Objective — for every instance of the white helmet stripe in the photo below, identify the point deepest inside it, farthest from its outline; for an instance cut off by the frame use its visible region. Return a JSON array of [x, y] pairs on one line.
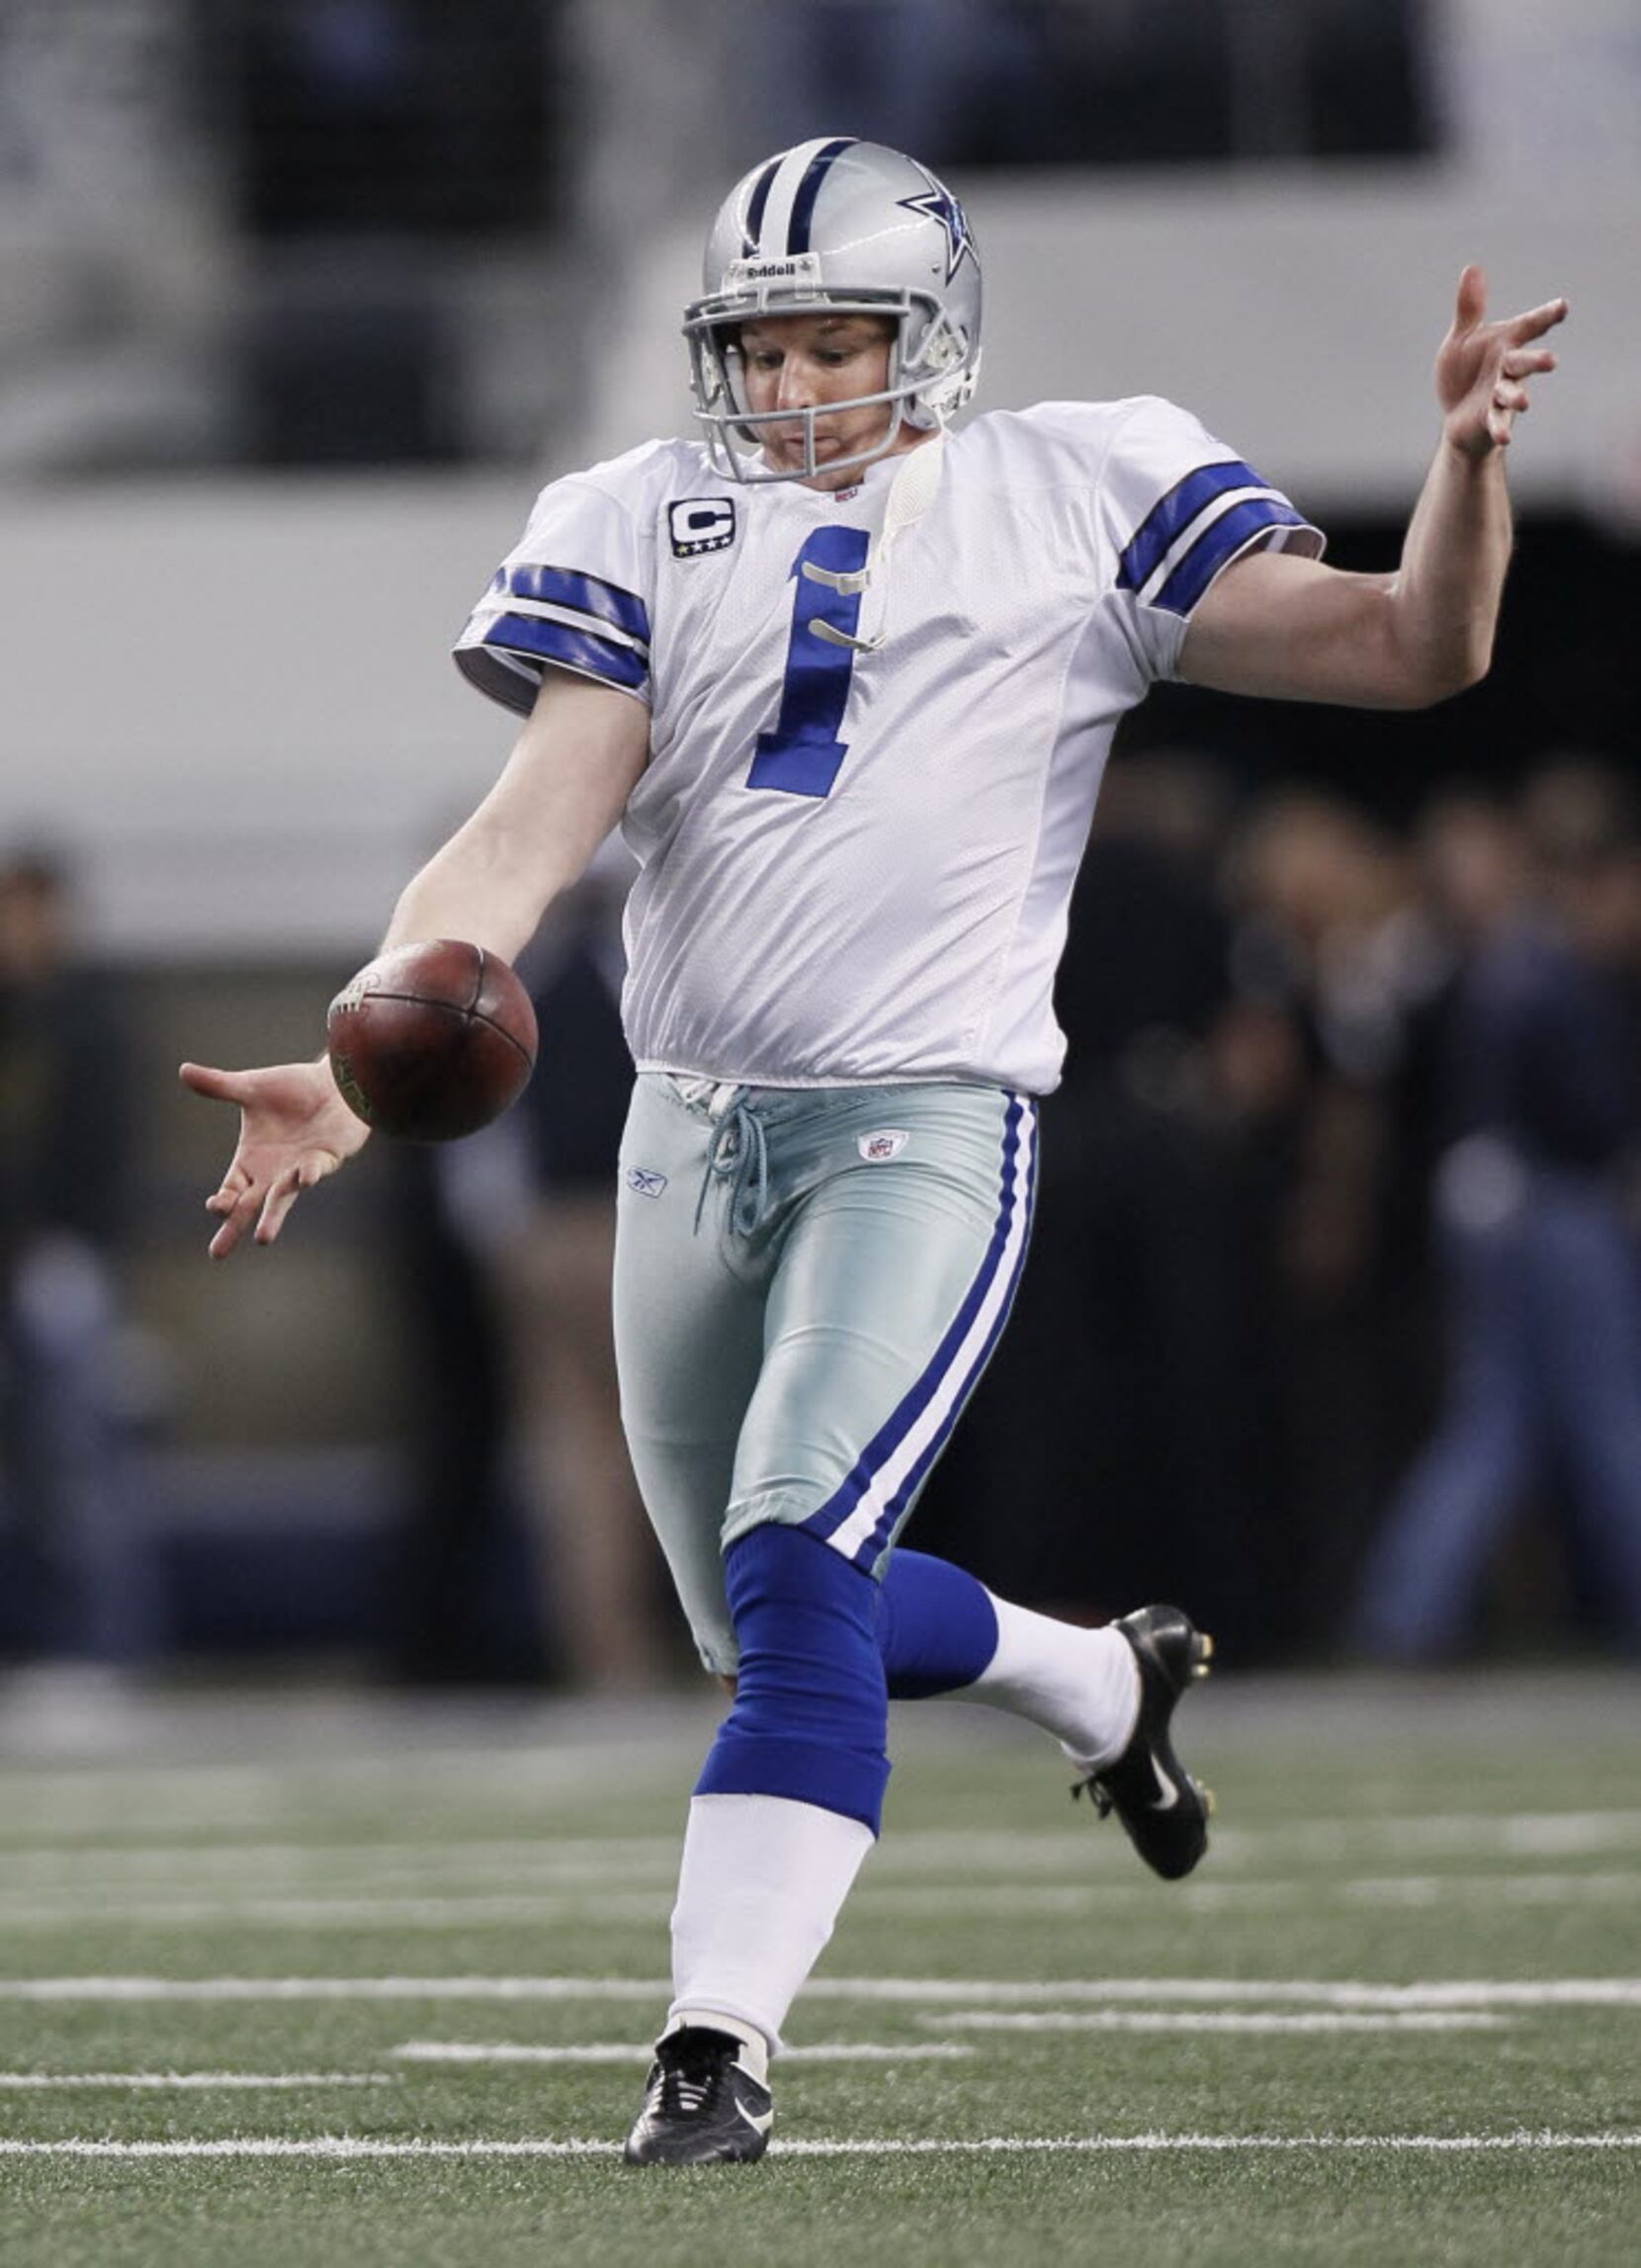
[[808, 189], [751, 217], [783, 195]]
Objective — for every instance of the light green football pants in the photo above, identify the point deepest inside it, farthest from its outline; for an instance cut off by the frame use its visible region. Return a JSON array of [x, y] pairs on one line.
[[808, 1286]]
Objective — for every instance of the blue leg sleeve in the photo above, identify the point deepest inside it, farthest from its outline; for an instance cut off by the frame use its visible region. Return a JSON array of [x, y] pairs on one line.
[[811, 1716], [937, 1628]]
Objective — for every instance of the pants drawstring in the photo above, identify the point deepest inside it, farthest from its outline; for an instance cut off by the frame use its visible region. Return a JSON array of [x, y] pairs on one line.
[[739, 1155]]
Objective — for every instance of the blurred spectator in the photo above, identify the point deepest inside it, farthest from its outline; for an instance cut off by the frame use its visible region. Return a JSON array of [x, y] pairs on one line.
[[66, 1485], [1328, 935], [1125, 1402], [1544, 1299], [372, 138], [552, 1270], [1047, 82], [969, 84], [524, 1250], [448, 1612], [392, 117]]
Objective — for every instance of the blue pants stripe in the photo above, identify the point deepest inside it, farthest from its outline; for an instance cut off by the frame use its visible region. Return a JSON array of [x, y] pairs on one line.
[[841, 1520]]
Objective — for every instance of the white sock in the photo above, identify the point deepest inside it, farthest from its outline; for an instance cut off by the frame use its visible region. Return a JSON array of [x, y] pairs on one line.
[[755, 2048], [763, 1882], [1082, 1685]]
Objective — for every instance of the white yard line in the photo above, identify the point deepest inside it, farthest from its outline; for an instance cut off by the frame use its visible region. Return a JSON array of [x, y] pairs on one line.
[[933, 1991], [1459, 1834], [547, 1861], [1557, 1992], [353, 2147], [641, 1908], [1468, 1834], [618, 2051], [479, 1909], [1024, 1900], [1215, 2019], [1603, 1886], [1529, 1834], [203, 2080], [138, 1906], [83, 1989], [549, 1857], [512, 1767], [96, 1800]]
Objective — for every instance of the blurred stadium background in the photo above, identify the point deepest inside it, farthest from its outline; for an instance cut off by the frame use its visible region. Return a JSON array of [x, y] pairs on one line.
[[302, 301]]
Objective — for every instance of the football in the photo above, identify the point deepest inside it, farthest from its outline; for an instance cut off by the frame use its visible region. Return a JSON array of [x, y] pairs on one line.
[[431, 1041]]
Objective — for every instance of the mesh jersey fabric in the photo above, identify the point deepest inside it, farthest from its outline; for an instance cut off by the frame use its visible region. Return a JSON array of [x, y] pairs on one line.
[[855, 867]]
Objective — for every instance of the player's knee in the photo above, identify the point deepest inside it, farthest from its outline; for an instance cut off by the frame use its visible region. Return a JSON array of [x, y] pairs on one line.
[[806, 1624], [810, 1720]]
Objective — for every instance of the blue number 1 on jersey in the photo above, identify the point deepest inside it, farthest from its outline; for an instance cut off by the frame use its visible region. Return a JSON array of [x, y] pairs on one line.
[[803, 754]]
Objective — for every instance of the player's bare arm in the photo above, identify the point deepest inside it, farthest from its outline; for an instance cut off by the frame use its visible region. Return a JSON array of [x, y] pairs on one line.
[[1284, 627], [564, 786]]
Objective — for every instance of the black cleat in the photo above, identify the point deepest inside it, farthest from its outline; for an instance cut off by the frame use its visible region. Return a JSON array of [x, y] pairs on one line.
[[1165, 1810], [701, 2105]]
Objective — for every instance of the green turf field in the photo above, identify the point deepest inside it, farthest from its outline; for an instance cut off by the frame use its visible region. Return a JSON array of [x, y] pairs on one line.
[[284, 1998]]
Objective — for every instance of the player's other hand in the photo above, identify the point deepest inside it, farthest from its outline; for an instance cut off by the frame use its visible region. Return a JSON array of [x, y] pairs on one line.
[[293, 1130], [1481, 369]]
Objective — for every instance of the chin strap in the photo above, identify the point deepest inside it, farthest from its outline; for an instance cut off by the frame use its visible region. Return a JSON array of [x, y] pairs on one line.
[[912, 491]]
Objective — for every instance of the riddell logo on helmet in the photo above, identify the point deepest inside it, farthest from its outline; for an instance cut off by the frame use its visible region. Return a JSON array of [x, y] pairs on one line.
[[801, 268]]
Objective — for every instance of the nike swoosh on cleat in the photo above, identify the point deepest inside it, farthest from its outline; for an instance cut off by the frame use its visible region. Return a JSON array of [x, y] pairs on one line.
[[1169, 1795], [760, 2124]]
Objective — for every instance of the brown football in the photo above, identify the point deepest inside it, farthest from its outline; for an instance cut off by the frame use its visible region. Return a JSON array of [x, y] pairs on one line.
[[430, 1042]]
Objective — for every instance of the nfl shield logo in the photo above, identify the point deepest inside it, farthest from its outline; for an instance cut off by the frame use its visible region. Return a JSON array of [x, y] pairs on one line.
[[876, 1148]]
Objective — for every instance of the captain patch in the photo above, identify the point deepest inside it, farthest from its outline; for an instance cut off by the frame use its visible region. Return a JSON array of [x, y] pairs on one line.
[[701, 524]]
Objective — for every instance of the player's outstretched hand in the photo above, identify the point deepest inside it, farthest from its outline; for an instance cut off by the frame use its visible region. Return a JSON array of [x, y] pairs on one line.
[[1481, 369], [293, 1130]]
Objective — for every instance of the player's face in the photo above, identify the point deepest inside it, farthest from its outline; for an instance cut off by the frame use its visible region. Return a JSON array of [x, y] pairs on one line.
[[804, 362]]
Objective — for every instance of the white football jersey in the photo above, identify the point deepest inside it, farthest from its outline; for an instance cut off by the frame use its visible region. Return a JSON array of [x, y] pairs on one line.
[[856, 858]]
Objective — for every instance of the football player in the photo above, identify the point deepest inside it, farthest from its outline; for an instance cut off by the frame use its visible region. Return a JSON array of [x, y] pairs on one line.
[[846, 678]]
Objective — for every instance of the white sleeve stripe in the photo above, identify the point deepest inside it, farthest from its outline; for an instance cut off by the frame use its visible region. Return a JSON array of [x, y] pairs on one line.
[[595, 625], [1215, 509]]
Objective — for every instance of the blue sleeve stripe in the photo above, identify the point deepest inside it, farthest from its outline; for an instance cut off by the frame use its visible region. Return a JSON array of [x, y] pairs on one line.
[[1219, 542], [575, 649], [588, 593], [1172, 514]]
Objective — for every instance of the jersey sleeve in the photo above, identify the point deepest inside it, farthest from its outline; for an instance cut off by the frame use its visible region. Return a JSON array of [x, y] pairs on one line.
[[574, 593], [1177, 507]]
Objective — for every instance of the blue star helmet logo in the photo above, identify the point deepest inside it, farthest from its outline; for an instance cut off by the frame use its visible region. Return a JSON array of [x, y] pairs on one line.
[[940, 205]]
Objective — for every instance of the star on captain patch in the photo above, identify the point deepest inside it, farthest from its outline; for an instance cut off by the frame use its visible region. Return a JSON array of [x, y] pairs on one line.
[[700, 524]]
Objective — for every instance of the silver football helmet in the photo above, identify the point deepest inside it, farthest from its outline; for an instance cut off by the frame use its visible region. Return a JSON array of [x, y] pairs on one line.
[[836, 228]]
